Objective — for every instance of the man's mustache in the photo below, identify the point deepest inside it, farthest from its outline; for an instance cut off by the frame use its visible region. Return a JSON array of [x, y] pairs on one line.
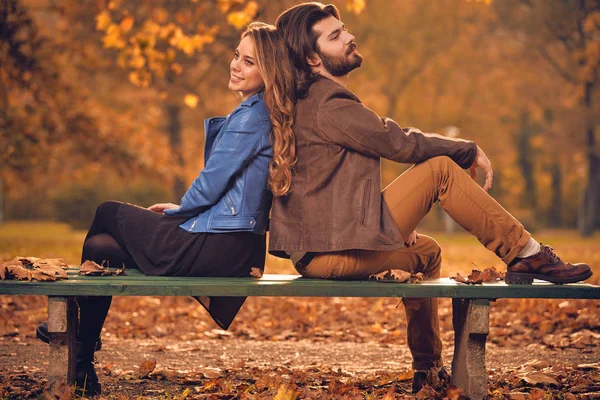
[[351, 48]]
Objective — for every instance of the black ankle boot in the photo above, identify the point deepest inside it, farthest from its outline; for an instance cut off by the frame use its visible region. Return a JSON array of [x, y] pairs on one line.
[[86, 380], [42, 333]]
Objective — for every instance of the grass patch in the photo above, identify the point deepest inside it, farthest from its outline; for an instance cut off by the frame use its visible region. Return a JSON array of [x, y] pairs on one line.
[[40, 239], [461, 252]]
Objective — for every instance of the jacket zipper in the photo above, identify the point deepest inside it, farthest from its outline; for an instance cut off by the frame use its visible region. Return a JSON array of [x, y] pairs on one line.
[[231, 207], [365, 202]]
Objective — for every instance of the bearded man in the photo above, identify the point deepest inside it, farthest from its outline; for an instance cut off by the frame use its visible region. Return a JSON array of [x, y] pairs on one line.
[[337, 223]]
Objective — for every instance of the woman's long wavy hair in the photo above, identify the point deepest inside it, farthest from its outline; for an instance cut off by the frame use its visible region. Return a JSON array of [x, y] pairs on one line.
[[277, 72]]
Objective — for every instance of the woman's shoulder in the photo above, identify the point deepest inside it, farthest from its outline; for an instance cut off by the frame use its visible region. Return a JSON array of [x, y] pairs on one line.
[[254, 106], [249, 116]]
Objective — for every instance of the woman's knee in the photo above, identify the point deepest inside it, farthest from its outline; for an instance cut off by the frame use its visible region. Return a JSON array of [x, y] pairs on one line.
[[109, 207]]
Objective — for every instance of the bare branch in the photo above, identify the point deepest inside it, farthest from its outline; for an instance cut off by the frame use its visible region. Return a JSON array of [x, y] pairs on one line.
[[564, 74]]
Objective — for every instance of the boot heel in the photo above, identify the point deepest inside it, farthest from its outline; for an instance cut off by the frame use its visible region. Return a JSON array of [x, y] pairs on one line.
[[514, 278]]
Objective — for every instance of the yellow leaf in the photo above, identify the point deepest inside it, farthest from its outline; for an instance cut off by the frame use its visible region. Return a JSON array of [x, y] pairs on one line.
[[126, 24], [137, 62], [103, 20], [176, 68], [286, 393], [238, 19], [191, 100], [185, 394], [186, 44], [356, 6], [160, 15], [112, 38]]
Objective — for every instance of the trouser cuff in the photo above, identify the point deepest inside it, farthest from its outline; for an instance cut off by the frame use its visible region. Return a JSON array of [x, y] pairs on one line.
[[512, 254]]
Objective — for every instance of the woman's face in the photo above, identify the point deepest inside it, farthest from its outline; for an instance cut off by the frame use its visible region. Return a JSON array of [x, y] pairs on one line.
[[244, 76]]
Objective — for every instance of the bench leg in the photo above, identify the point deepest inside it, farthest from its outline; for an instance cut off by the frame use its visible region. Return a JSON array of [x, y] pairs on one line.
[[62, 325], [471, 320]]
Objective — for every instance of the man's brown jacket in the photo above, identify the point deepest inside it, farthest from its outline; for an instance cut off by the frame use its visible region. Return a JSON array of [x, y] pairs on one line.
[[336, 202]]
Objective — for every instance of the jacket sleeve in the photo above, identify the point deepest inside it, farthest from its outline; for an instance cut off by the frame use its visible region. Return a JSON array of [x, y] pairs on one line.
[[231, 152], [344, 120]]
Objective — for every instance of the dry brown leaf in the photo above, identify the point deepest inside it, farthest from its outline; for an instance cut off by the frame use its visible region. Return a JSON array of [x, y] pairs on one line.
[[50, 262], [453, 393], [427, 393], [477, 276], [91, 268], [256, 272], [417, 278], [392, 275], [40, 276], [538, 378], [146, 367], [19, 272], [536, 394]]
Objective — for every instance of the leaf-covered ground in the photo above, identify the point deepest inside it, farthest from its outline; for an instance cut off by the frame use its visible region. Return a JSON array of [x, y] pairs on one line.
[[168, 348]]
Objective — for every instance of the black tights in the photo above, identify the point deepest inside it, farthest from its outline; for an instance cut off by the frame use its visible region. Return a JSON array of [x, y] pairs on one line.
[[103, 244]]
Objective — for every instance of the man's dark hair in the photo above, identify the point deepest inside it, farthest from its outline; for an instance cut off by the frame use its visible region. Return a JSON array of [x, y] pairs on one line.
[[296, 25]]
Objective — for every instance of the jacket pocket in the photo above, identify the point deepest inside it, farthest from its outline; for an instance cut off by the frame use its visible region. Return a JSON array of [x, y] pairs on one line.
[[229, 223], [365, 202], [232, 208]]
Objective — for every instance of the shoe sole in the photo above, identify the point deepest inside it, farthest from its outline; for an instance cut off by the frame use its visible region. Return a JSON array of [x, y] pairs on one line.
[[522, 278]]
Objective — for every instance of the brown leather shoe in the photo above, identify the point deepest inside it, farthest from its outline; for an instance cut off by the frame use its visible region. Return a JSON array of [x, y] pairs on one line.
[[547, 266]]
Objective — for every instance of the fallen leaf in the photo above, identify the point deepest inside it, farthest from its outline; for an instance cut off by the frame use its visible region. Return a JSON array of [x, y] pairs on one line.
[[538, 378], [392, 275], [453, 393], [146, 367], [256, 272], [536, 394], [427, 393], [477, 277], [286, 392], [91, 268]]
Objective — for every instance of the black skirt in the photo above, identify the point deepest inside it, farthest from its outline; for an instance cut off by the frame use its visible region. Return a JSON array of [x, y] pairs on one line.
[[161, 248]]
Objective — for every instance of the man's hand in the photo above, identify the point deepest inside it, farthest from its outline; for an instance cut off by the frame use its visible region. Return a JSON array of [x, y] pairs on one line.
[[481, 161], [160, 207], [411, 239]]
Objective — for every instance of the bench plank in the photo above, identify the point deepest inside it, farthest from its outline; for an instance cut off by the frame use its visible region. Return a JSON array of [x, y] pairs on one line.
[[136, 284]]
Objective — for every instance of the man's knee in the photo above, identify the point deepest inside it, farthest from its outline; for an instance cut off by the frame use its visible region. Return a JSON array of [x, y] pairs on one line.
[[433, 253], [442, 163]]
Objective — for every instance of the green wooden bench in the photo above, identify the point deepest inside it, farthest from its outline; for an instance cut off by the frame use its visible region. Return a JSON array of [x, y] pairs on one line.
[[470, 307]]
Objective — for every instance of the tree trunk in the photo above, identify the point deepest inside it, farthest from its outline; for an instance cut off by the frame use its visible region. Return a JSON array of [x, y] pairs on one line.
[[174, 130], [525, 162], [555, 215], [591, 197], [1, 200]]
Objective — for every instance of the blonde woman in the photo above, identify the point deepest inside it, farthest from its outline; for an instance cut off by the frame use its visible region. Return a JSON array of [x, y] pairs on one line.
[[219, 227]]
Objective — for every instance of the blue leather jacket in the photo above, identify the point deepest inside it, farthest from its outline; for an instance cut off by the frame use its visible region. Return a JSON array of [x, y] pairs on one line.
[[231, 192]]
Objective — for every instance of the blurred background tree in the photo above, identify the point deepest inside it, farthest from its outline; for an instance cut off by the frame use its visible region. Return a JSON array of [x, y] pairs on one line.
[[111, 95]]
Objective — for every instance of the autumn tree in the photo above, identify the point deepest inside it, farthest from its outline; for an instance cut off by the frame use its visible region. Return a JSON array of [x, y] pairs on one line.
[[52, 126], [566, 36]]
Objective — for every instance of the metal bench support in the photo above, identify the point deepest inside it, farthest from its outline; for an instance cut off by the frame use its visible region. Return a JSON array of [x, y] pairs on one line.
[[62, 326], [471, 320]]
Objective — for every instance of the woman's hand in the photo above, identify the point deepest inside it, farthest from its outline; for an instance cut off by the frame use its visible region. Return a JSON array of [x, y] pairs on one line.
[[160, 207], [481, 161], [411, 239]]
